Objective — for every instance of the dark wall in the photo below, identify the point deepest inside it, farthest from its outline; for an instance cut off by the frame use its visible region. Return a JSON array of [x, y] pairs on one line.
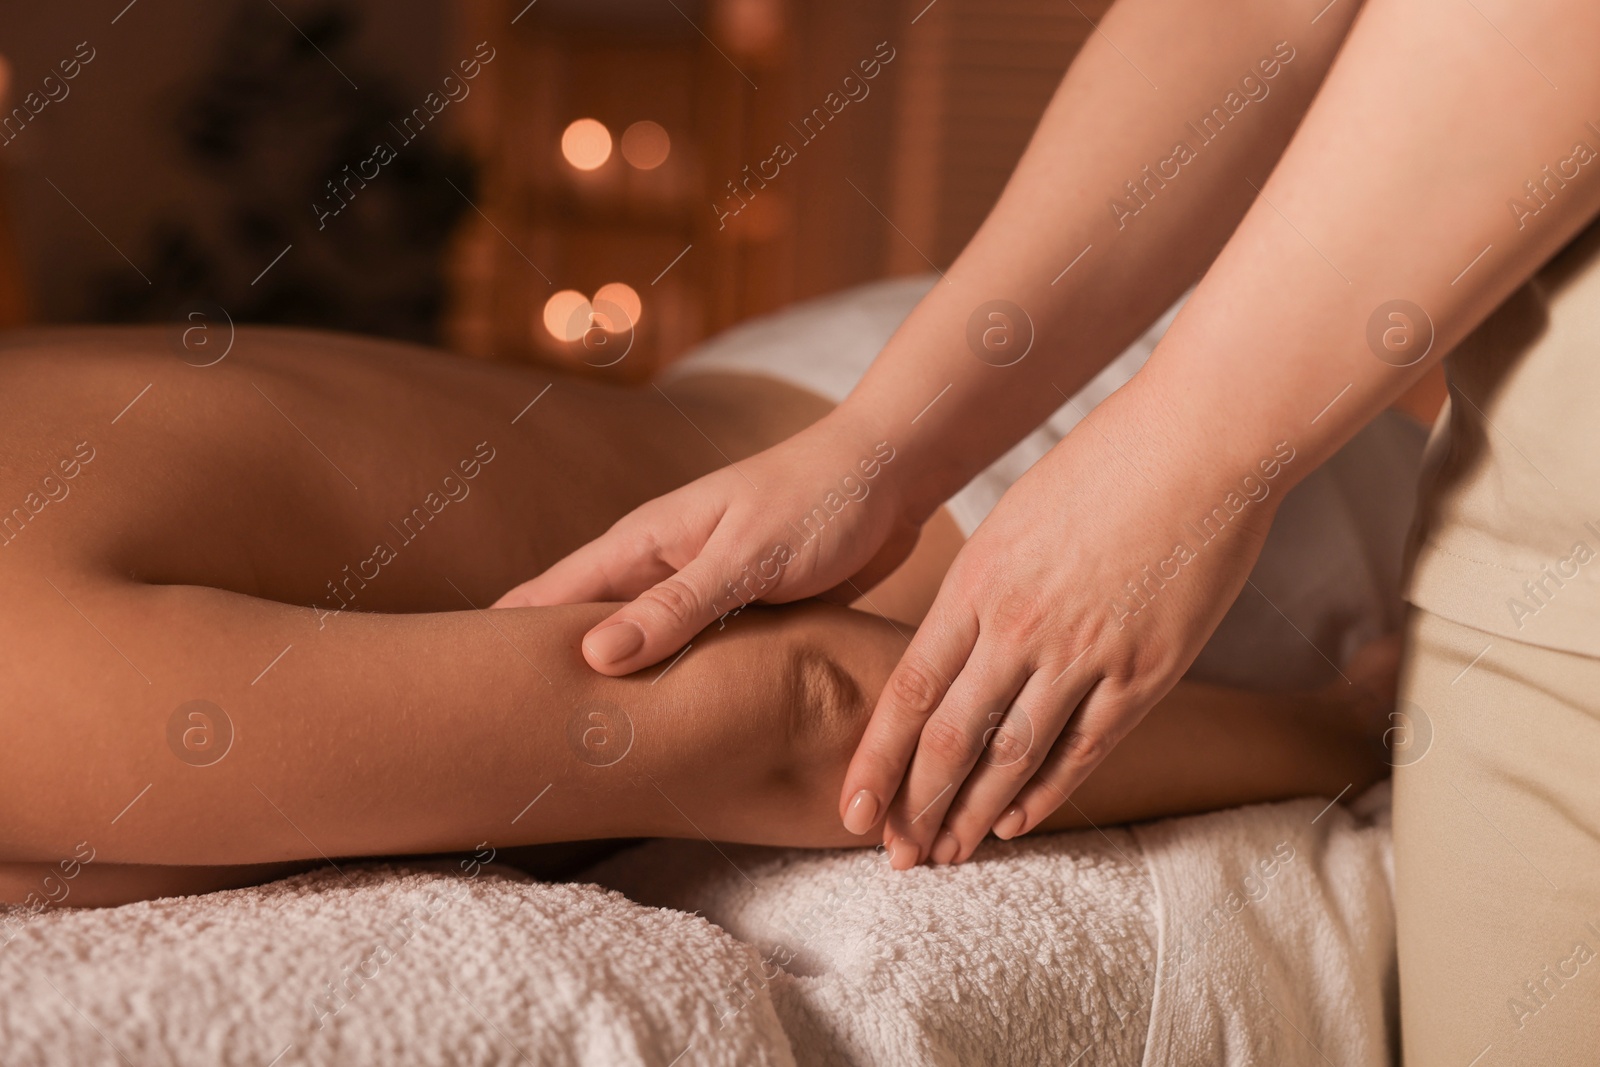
[[193, 144]]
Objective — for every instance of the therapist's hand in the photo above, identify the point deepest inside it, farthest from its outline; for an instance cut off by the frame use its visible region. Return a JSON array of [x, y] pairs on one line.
[[1033, 663], [816, 515]]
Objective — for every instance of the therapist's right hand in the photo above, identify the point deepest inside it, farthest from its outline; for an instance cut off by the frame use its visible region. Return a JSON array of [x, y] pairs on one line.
[[820, 514]]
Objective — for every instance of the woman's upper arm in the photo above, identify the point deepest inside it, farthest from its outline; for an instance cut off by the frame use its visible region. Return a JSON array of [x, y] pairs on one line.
[[181, 724], [188, 725]]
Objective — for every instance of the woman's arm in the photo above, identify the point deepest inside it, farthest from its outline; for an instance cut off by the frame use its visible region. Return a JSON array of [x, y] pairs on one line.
[[378, 734], [1454, 148], [1142, 166], [383, 734]]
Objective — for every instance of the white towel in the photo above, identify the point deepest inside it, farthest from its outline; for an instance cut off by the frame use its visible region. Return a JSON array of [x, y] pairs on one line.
[[1277, 939], [1119, 948], [1034, 952], [382, 965]]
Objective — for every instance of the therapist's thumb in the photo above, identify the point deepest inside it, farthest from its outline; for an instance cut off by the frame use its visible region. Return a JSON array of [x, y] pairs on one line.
[[660, 622]]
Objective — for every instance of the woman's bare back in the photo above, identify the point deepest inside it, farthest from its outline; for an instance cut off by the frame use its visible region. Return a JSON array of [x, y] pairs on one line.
[[279, 470]]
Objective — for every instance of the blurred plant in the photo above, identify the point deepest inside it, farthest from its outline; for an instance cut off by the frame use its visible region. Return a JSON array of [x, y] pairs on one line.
[[265, 127]]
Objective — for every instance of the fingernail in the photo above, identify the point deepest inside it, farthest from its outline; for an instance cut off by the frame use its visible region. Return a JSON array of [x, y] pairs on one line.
[[862, 812], [902, 854], [616, 642], [1010, 824], [945, 849]]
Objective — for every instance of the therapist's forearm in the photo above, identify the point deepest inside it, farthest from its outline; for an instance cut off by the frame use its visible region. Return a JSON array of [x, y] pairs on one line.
[[1135, 177], [1402, 184]]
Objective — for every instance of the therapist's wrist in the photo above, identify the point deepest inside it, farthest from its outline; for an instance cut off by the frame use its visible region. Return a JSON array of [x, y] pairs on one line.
[[907, 471], [1196, 453]]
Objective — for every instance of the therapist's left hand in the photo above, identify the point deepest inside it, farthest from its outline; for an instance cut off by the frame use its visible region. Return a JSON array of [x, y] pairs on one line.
[[1032, 663]]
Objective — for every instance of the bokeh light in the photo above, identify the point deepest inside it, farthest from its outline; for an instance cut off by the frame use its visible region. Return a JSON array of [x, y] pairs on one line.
[[616, 294], [646, 145], [586, 144], [565, 315]]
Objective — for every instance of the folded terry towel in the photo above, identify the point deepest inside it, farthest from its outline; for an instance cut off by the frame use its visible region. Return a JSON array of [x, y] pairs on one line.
[[381, 965], [1033, 952], [1254, 936], [1248, 937]]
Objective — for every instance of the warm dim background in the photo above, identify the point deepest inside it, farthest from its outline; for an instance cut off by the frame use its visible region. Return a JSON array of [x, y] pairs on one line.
[[189, 152]]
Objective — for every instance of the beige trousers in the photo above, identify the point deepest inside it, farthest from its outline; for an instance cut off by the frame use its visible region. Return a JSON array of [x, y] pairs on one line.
[[1497, 850]]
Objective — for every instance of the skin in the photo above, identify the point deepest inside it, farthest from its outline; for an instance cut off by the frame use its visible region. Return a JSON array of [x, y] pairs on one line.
[[1353, 183], [190, 559]]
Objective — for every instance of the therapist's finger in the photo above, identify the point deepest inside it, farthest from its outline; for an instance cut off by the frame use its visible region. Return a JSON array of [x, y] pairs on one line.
[[913, 690], [1015, 747], [950, 744], [661, 620], [1090, 735]]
